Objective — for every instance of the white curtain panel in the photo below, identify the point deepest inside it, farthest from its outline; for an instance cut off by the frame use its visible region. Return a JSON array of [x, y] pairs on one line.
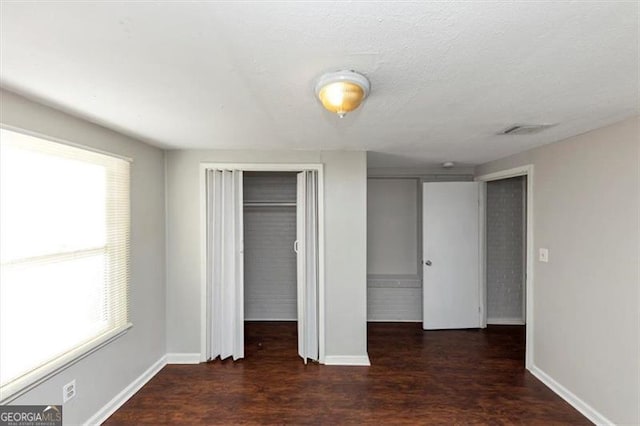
[[307, 252], [225, 264]]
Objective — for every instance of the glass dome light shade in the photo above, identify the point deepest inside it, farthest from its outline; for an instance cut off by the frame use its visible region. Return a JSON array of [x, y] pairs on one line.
[[342, 92]]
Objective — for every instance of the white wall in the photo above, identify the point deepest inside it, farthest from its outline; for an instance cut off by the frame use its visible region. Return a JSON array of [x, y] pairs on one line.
[[345, 244], [106, 372], [586, 299]]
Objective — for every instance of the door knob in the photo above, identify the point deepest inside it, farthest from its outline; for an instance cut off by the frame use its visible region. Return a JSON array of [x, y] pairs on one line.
[[428, 263]]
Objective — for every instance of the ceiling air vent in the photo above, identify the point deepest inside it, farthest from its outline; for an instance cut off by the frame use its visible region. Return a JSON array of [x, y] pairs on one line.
[[524, 129]]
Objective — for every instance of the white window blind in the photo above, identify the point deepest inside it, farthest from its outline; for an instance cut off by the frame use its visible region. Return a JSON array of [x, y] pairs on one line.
[[64, 249]]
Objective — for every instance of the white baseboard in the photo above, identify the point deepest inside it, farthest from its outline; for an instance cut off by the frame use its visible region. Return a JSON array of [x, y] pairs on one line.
[[183, 358], [362, 360], [588, 411], [117, 401], [505, 321]]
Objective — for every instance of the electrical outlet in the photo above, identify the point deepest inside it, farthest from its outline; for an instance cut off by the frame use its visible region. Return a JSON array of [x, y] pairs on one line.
[[68, 391]]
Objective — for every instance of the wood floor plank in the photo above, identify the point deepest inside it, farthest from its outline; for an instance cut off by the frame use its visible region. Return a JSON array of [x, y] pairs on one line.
[[417, 377]]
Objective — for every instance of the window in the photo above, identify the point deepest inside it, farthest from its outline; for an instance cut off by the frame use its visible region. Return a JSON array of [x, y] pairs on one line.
[[64, 253]]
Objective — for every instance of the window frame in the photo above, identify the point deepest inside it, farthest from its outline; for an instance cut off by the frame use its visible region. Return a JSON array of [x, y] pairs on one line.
[[35, 377]]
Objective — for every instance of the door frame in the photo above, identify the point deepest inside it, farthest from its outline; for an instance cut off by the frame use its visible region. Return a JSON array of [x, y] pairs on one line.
[[261, 167], [528, 171]]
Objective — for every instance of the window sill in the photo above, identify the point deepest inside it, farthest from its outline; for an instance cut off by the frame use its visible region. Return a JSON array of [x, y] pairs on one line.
[[25, 383]]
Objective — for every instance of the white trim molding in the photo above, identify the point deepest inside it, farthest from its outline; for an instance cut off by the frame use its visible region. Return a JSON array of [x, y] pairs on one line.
[[183, 358], [118, 401], [588, 411], [353, 360]]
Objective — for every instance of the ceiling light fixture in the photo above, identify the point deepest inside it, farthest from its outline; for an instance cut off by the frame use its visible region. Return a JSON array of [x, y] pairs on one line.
[[342, 91]]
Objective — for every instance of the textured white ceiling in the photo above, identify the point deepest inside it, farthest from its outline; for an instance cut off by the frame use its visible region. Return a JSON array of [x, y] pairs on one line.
[[446, 77]]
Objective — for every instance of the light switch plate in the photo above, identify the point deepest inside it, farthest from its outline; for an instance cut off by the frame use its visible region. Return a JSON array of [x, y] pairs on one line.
[[543, 255]]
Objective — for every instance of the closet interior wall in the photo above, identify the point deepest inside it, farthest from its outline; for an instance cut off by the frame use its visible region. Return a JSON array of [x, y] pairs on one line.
[[506, 250], [269, 234]]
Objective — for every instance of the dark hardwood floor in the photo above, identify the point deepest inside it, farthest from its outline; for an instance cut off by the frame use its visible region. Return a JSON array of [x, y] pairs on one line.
[[435, 377]]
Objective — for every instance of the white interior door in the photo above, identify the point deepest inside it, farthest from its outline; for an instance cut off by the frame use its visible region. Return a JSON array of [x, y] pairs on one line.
[[306, 247], [225, 265], [451, 255]]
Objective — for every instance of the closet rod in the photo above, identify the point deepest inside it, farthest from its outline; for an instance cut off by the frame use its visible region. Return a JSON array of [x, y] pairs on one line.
[[275, 204]]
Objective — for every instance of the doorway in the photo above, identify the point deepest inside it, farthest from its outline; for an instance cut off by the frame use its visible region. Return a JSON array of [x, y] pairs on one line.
[[270, 292], [270, 263], [251, 265], [455, 258], [526, 250]]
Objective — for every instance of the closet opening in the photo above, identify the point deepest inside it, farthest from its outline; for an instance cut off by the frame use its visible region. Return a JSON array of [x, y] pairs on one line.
[[270, 264], [262, 261], [507, 262], [506, 243]]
